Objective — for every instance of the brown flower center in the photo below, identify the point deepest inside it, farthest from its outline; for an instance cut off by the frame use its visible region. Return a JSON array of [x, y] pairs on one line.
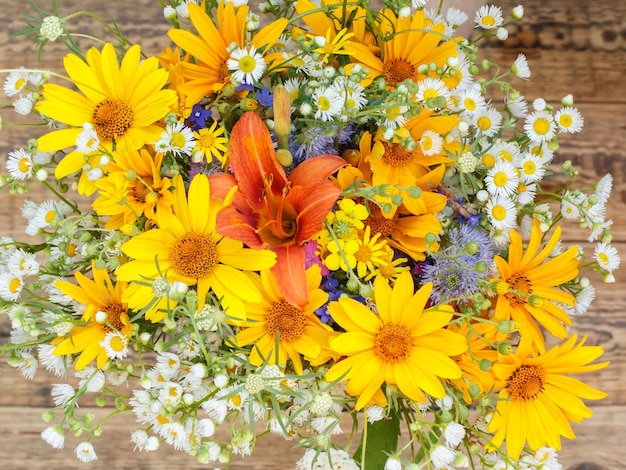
[[286, 320], [112, 118], [378, 223], [140, 188], [398, 70], [395, 155], [526, 383], [393, 343], [114, 313], [521, 289], [194, 255]]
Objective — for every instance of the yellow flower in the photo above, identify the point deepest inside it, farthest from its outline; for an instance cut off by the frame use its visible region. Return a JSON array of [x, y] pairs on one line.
[[98, 295], [212, 47], [526, 288], [134, 187], [371, 253], [191, 251], [211, 143], [123, 102], [537, 400], [403, 345], [273, 321]]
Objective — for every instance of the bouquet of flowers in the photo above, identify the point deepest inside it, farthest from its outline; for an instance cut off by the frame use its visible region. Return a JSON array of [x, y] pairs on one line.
[[323, 217]]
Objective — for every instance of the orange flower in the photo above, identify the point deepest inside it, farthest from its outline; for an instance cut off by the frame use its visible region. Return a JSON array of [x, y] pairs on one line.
[[271, 210]]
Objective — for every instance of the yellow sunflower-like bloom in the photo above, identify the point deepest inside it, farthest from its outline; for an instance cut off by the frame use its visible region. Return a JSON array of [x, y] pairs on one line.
[[191, 251], [273, 321], [98, 295], [404, 344], [123, 102], [134, 187], [408, 43], [526, 288], [211, 47], [537, 400]]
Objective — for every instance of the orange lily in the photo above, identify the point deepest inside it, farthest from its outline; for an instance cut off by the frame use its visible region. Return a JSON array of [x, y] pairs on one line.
[[271, 210]]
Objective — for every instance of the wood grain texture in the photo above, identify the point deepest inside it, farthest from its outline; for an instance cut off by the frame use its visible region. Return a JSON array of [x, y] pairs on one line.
[[576, 46]]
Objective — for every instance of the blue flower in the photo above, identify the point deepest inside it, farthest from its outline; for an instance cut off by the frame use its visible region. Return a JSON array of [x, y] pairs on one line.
[[264, 97], [197, 118]]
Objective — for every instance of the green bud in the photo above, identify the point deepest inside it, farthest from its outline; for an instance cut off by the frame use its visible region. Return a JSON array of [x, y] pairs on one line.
[[505, 349], [47, 416], [484, 364], [471, 248], [446, 417], [101, 401], [474, 390]]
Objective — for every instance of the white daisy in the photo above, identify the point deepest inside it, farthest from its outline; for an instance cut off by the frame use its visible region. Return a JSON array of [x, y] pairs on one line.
[[170, 394], [488, 121], [526, 192], [23, 105], [22, 263], [531, 167], [599, 230], [520, 67], [52, 363], [430, 143], [603, 188], [502, 179], [328, 103], [502, 213], [247, 65], [54, 437], [117, 377], [16, 81], [293, 86], [570, 204], [607, 257], [62, 394], [88, 140], [583, 299], [352, 93], [471, 101], [28, 365], [85, 452], [177, 139], [20, 164], [442, 457], [430, 89], [569, 120], [517, 106], [455, 17], [506, 151], [115, 344], [539, 126], [459, 73], [168, 364], [489, 17], [11, 286], [395, 117], [453, 433], [91, 378]]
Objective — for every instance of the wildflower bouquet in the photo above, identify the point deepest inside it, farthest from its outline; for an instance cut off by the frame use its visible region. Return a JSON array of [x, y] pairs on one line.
[[329, 219]]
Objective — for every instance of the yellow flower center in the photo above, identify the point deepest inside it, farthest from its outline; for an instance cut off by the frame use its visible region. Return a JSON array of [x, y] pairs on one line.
[[530, 168], [498, 212], [398, 70], [207, 141], [178, 140], [24, 165], [114, 313], [469, 104], [526, 383], [363, 254], [565, 120], [323, 103], [247, 64], [602, 256], [488, 20], [117, 343], [19, 84], [488, 160], [426, 142], [483, 123], [112, 118], [286, 320], [431, 93], [15, 285], [393, 343], [194, 255], [50, 215], [541, 126], [500, 179], [396, 155], [521, 289]]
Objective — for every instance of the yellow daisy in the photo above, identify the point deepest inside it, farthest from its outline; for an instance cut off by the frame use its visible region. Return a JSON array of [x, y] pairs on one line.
[[211, 143], [273, 321], [122, 102], [99, 295], [134, 187], [537, 400], [211, 47], [191, 251], [526, 289], [403, 345]]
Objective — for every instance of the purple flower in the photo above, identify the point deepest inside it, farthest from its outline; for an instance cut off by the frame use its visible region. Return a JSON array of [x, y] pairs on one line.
[[197, 118]]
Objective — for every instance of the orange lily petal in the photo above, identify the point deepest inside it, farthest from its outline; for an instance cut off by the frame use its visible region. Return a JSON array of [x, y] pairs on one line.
[[290, 274], [315, 169]]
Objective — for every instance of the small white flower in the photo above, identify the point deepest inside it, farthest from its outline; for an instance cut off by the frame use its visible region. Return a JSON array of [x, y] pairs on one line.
[[502, 212], [15, 82], [88, 140], [54, 437], [168, 364], [328, 103], [23, 105], [85, 452], [603, 188], [175, 435], [453, 433], [471, 101], [28, 365], [539, 104], [488, 121], [247, 65], [375, 413], [607, 257], [115, 344], [518, 12], [393, 463], [539, 126], [11, 286], [22, 263], [20, 164], [432, 88], [430, 143], [489, 17], [177, 139], [502, 179], [51, 28], [62, 394], [170, 394], [502, 34], [517, 106], [139, 437], [531, 167], [569, 120], [442, 456], [55, 364], [92, 378], [520, 67]]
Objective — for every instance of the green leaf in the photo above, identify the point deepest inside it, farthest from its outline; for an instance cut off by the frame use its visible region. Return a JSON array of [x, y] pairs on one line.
[[380, 439]]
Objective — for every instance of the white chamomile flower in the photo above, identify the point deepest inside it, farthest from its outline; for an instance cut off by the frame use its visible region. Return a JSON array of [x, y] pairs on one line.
[[502, 213], [54, 437], [28, 365], [16, 81], [22, 263], [247, 65], [91, 378], [117, 377], [20, 164], [453, 433], [62, 394], [352, 93], [431, 88], [526, 192], [488, 121], [459, 73], [168, 364], [328, 103], [170, 394], [442, 456], [471, 101], [115, 344], [607, 257], [603, 188], [502, 179], [177, 139], [531, 167], [23, 105], [520, 67], [569, 120], [88, 140], [539, 126], [583, 299], [455, 17], [517, 106], [52, 363], [430, 143], [85, 452], [11, 286], [293, 87], [489, 17]]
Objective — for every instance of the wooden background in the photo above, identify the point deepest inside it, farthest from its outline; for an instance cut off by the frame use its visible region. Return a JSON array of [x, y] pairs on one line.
[[573, 46]]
